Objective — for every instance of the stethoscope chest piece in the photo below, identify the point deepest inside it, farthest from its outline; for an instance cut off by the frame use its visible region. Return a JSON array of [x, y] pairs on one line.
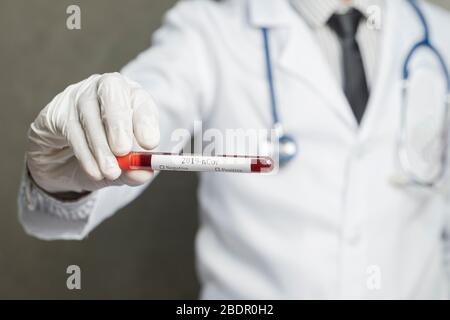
[[287, 149]]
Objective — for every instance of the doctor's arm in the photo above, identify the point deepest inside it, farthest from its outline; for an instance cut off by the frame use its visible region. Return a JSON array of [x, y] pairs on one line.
[[167, 87]]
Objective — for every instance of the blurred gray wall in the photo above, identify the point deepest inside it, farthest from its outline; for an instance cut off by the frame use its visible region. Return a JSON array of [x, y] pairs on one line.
[[145, 251]]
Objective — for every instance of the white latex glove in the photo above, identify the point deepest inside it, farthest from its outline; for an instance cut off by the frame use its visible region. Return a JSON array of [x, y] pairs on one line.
[[74, 140]]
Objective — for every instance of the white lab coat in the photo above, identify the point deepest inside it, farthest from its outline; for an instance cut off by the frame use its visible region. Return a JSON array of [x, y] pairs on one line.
[[329, 225]]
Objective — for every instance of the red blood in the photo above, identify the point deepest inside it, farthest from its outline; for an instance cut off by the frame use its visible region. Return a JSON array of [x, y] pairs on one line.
[[261, 164], [135, 160]]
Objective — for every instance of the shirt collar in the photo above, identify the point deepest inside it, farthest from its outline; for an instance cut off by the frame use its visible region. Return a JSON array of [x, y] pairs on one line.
[[271, 13], [317, 12]]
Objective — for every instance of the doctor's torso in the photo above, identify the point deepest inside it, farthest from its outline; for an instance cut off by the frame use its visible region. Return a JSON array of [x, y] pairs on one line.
[[329, 224]]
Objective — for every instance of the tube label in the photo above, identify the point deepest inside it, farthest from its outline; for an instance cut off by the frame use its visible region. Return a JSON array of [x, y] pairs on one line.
[[201, 163]]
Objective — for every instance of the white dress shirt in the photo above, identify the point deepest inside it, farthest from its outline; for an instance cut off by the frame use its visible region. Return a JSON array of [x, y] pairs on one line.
[[318, 12]]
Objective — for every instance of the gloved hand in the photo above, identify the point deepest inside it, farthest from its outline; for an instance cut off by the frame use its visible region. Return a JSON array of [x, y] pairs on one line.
[[74, 139]]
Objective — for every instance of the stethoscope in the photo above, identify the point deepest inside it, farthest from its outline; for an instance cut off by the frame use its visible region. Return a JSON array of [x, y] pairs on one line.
[[286, 143], [404, 161], [288, 148]]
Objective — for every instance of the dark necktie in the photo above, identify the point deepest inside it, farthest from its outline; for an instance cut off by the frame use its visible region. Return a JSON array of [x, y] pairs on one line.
[[355, 85]]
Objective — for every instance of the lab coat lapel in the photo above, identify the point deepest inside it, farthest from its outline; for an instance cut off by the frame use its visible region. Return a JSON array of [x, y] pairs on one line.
[[302, 57], [388, 72]]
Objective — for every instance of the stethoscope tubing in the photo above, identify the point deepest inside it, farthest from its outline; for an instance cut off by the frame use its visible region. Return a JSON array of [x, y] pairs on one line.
[[269, 75], [402, 153]]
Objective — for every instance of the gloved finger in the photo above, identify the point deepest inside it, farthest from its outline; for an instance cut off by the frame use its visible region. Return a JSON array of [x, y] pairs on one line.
[[91, 121], [132, 178], [136, 177], [77, 140], [145, 119], [114, 96]]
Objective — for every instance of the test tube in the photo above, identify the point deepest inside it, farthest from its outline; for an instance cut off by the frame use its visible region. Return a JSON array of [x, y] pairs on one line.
[[186, 162]]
